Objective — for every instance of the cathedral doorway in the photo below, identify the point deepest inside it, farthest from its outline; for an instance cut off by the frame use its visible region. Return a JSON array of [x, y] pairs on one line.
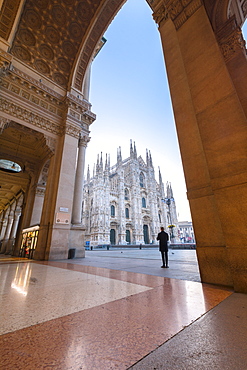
[[113, 236], [127, 236], [145, 234]]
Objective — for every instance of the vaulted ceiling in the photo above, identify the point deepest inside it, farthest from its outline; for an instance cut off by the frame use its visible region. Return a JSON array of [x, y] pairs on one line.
[[57, 38]]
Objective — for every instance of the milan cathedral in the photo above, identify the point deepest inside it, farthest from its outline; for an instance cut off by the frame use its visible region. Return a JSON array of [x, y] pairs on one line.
[[124, 204]]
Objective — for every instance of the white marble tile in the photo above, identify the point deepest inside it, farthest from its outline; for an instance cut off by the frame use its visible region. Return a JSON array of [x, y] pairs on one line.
[[33, 293]]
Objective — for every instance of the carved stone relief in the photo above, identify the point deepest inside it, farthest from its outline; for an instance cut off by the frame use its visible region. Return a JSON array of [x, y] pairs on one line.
[[178, 10], [232, 43], [15, 111]]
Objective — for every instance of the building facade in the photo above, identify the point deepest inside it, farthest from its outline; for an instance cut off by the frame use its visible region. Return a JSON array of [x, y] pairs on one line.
[[124, 204], [186, 232]]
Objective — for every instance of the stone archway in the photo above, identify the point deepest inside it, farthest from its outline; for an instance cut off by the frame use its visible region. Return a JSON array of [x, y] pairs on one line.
[[45, 87], [29, 149]]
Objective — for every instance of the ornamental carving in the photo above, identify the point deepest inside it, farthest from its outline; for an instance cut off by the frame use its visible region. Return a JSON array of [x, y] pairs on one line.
[[40, 191], [72, 130], [178, 10], [244, 8], [34, 91], [84, 140], [161, 14], [51, 143], [4, 123], [39, 121], [232, 44]]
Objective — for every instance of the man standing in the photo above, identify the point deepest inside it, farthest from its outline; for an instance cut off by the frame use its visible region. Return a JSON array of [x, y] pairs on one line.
[[163, 238]]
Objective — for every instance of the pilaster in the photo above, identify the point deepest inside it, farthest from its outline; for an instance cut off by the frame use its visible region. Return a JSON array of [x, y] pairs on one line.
[[211, 128]]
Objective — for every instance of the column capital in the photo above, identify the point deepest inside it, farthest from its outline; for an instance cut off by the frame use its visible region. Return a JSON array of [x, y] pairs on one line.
[[4, 123], [84, 140], [230, 39], [179, 11], [51, 143]]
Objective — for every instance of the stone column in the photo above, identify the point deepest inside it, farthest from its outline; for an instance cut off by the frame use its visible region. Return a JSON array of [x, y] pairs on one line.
[[12, 236], [38, 204], [212, 133], [3, 225], [78, 189], [7, 232]]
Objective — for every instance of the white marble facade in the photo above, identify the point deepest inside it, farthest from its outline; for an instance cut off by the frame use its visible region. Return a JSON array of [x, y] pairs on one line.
[[124, 204]]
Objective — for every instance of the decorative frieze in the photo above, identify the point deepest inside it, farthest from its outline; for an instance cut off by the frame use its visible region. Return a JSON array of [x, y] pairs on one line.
[[34, 91], [178, 10], [16, 111], [72, 129], [5, 61], [79, 110]]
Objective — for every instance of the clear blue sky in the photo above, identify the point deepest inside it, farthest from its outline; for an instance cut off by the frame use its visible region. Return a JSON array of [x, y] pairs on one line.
[[130, 96]]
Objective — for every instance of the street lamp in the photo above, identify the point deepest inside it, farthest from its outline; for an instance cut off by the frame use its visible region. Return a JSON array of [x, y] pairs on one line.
[[171, 226]]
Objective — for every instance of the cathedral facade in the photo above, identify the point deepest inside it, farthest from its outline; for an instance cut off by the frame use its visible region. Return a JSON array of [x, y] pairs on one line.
[[124, 204]]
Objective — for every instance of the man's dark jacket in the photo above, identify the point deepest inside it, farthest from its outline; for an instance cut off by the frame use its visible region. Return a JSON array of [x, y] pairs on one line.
[[163, 238]]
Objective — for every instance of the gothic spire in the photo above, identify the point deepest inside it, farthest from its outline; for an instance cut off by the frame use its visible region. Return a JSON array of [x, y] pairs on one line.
[[131, 149], [135, 152], [97, 165], [101, 162], [150, 159], [119, 155], [160, 177], [88, 174], [147, 158], [107, 162], [169, 190]]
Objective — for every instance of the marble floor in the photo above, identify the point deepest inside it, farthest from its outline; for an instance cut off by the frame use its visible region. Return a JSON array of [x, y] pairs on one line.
[[70, 315]]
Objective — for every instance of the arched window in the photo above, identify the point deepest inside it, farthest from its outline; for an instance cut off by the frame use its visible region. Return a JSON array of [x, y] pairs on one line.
[[126, 194], [141, 180], [143, 203], [127, 214], [112, 211], [159, 218]]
